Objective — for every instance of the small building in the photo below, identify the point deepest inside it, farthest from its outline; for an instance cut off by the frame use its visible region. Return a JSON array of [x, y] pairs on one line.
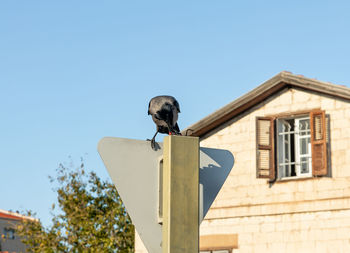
[[10, 242], [289, 189]]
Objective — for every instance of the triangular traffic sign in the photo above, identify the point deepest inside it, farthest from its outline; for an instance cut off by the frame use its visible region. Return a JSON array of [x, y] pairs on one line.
[[134, 169]]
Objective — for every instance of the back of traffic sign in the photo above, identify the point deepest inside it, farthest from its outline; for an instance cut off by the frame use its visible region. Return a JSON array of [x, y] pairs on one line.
[[135, 170]]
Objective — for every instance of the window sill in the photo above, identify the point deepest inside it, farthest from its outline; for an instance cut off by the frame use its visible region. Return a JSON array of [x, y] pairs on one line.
[[288, 179]]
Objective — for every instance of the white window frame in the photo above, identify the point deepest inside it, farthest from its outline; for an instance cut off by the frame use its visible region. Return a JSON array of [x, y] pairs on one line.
[[216, 251], [285, 136]]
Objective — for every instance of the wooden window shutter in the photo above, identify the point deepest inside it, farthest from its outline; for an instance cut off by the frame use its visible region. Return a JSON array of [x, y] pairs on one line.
[[318, 143], [265, 148]]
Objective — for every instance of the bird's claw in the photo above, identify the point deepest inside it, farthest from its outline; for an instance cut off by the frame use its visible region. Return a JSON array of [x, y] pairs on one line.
[[154, 145], [174, 133]]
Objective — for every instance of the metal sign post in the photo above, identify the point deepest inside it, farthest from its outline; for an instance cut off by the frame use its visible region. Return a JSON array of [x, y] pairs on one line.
[[180, 194]]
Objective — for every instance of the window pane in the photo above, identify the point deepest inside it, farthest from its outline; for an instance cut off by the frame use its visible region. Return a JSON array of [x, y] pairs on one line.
[[293, 172], [304, 162], [304, 146], [286, 151], [9, 233], [304, 127], [286, 147], [288, 170]]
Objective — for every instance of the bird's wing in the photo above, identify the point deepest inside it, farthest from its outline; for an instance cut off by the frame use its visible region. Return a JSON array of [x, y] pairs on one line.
[[177, 105], [149, 105], [177, 128]]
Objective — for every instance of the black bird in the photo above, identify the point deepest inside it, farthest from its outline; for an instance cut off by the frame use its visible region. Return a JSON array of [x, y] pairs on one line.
[[164, 111]]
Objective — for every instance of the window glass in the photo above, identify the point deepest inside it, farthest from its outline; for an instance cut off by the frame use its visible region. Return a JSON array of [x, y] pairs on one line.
[[293, 147], [9, 233]]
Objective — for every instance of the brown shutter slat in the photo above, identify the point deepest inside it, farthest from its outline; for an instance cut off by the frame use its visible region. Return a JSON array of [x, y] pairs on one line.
[[265, 159], [318, 143]]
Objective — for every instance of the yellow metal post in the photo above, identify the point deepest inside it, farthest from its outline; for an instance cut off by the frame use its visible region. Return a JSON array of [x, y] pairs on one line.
[[180, 194]]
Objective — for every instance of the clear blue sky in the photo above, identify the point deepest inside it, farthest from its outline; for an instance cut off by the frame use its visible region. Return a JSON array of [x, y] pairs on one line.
[[72, 72]]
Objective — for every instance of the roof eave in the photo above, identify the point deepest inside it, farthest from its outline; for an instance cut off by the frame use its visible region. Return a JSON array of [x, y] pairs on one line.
[[259, 94]]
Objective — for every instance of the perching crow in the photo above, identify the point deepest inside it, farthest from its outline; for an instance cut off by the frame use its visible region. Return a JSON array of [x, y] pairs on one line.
[[164, 111]]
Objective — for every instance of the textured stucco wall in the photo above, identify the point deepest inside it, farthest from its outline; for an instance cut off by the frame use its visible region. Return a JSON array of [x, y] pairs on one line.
[[311, 214]]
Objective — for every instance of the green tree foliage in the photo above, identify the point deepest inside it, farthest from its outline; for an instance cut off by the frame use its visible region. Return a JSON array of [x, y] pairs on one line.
[[91, 217]]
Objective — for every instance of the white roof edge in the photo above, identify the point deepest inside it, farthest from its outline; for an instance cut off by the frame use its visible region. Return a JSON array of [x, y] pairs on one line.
[[18, 215]]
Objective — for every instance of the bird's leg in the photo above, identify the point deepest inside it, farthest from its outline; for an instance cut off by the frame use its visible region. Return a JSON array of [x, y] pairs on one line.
[[153, 141]]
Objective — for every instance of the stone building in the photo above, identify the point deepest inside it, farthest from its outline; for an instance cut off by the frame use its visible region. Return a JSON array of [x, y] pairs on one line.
[[289, 189], [9, 240]]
